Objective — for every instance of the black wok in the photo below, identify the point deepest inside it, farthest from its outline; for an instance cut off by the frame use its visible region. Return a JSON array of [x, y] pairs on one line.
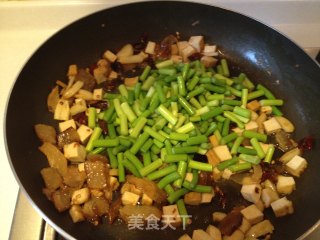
[[265, 55]]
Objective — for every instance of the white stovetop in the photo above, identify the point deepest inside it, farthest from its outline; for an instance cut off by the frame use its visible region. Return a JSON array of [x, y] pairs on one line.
[[24, 25]]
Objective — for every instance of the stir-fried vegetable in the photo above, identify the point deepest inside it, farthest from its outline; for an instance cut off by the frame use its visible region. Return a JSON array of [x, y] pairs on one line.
[[144, 129]]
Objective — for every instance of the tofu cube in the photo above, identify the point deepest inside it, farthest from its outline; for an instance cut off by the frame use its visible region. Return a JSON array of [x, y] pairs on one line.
[[296, 165], [171, 215], [222, 152], [285, 185], [187, 52], [192, 198], [200, 234], [136, 190], [110, 56], [254, 116], [126, 187], [214, 232], [185, 237], [226, 174], [210, 50], [130, 188], [150, 47], [271, 125], [260, 229], [268, 196], [282, 207], [253, 105], [131, 82], [62, 111], [252, 125], [218, 216], [237, 130], [96, 193], [81, 167], [236, 235], [212, 158], [214, 140], [208, 61], [113, 172], [174, 49], [75, 152], [113, 75], [80, 196], [260, 205], [207, 197], [114, 184], [76, 214], [197, 42], [129, 198], [67, 124], [97, 94], [84, 133], [251, 192], [216, 174], [146, 200], [188, 177], [245, 225], [181, 46], [108, 195], [176, 58], [266, 109], [252, 214]]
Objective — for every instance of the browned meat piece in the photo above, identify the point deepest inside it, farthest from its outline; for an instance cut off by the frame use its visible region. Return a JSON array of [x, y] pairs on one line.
[[283, 141], [81, 118], [74, 178], [148, 187], [48, 193], [51, 177], [46, 133], [95, 208], [101, 104], [104, 126], [97, 173], [97, 157], [88, 80], [61, 200], [163, 51], [192, 198], [114, 210], [100, 205], [271, 171], [205, 178], [68, 136], [231, 222], [55, 158]]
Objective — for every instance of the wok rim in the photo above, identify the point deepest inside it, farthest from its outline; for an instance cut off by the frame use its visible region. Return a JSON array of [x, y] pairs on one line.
[[64, 233]]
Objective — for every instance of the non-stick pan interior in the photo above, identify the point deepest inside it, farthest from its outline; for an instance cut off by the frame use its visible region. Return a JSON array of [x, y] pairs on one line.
[[251, 47]]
